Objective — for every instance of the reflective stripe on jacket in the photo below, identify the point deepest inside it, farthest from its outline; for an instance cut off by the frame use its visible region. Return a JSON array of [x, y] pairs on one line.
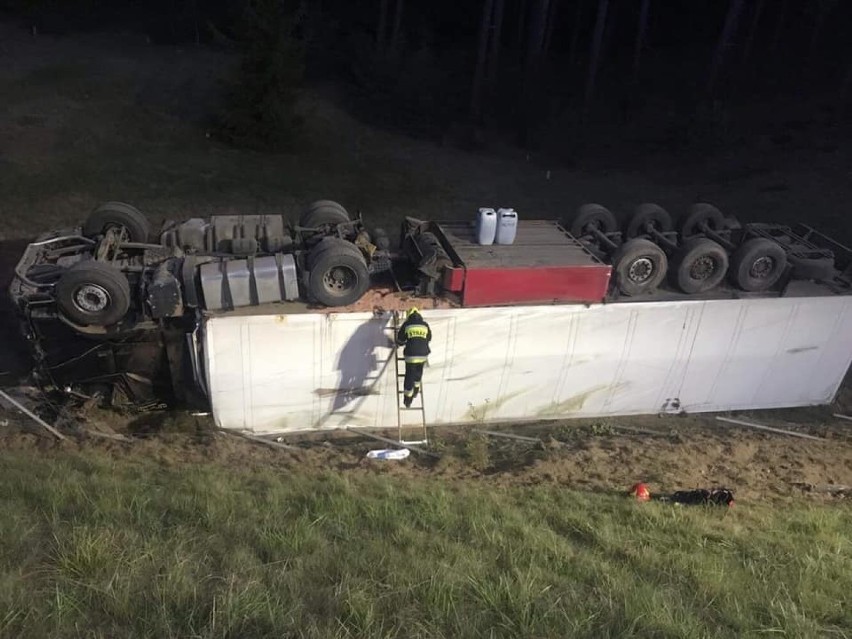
[[415, 335]]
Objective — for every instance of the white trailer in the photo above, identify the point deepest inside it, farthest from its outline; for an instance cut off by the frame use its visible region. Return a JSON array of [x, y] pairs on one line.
[[285, 373]]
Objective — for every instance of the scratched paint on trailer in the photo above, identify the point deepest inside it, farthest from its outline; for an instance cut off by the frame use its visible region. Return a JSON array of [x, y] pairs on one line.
[[576, 403], [489, 409]]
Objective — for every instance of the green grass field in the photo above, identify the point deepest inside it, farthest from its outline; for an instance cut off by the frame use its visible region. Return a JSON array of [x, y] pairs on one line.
[[94, 547]]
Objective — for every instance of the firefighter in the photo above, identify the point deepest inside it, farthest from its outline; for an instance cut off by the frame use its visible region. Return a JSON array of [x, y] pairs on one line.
[[415, 335]]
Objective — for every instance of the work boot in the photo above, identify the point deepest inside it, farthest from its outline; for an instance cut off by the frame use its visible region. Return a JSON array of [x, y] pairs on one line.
[[416, 392], [407, 401]]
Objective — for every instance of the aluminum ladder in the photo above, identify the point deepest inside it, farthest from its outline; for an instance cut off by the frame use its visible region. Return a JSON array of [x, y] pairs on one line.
[[417, 405]]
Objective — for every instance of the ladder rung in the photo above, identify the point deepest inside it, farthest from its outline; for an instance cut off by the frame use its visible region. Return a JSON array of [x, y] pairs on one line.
[[412, 408]]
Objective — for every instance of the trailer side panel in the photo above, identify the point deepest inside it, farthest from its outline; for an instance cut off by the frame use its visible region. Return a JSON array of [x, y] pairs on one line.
[[285, 373]]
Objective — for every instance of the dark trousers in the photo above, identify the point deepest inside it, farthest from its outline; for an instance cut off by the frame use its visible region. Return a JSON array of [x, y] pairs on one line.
[[413, 375]]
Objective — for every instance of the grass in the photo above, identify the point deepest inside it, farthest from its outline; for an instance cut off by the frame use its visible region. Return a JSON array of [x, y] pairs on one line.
[[81, 135], [94, 547]]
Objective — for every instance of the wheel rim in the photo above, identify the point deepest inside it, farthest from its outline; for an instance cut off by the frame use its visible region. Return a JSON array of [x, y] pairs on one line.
[[339, 280], [91, 298], [762, 267], [641, 270], [703, 268]]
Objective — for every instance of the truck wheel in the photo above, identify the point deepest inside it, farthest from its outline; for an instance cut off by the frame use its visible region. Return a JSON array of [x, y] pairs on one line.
[[338, 275], [121, 215], [323, 212], [93, 293], [813, 268], [331, 244], [640, 266], [701, 214], [699, 265], [592, 217], [757, 264], [646, 217], [329, 204]]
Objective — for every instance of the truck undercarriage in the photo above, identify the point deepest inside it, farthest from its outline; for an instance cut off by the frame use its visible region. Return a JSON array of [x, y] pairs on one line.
[[107, 308]]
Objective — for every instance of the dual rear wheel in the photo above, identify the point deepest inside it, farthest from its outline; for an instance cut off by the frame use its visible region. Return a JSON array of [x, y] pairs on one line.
[[337, 270], [338, 273], [698, 265]]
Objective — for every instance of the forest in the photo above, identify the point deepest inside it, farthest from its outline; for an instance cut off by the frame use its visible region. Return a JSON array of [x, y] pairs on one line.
[[534, 72]]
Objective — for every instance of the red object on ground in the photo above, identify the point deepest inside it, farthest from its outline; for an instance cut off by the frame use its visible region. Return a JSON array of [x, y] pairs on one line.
[[544, 264], [641, 492]]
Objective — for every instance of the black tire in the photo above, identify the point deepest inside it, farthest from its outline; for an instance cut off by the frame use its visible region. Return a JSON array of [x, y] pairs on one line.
[[648, 215], [118, 214], [639, 266], [699, 214], [93, 294], [592, 216], [338, 276], [332, 244], [699, 265], [757, 264], [327, 204], [323, 212], [813, 268]]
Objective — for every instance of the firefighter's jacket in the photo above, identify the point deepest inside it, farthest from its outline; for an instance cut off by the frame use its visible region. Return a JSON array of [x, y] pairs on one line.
[[415, 335]]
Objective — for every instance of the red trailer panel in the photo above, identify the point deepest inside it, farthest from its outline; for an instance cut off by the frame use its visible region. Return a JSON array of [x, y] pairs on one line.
[[544, 264], [485, 286]]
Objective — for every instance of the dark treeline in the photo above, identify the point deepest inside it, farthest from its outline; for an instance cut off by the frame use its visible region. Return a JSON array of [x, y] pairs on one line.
[[513, 66]]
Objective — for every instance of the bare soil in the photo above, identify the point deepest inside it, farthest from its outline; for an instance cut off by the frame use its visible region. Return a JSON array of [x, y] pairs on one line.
[[92, 118], [600, 456]]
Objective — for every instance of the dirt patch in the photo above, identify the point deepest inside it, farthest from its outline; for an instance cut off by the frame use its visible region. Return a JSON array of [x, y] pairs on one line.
[[687, 452], [377, 299]]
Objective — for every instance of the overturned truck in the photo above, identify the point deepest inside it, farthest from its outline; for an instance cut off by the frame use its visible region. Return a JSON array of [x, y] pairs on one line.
[[277, 326]]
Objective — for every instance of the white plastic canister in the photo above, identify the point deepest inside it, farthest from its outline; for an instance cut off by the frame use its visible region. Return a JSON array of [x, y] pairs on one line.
[[507, 226], [486, 226]]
